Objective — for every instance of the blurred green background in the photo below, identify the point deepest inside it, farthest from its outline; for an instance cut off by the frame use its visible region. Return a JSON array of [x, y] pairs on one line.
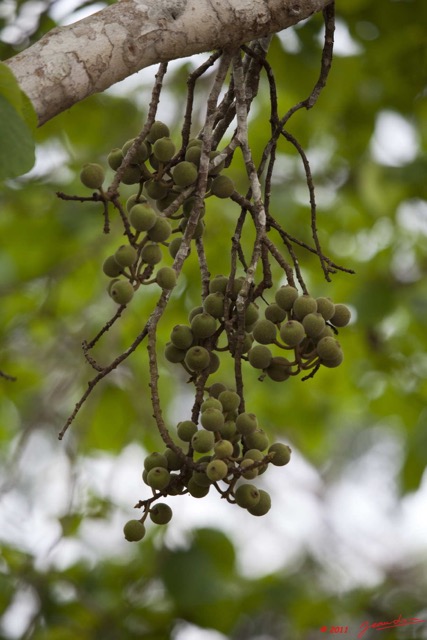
[[345, 541]]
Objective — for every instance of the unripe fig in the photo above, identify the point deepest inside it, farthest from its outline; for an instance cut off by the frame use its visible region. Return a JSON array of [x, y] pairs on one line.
[[197, 358], [223, 449], [126, 255], [292, 333], [222, 187], [282, 454], [182, 336], [246, 423], [163, 203], [250, 474], [201, 478], [265, 332], [325, 307], [313, 324], [263, 506], [304, 305], [142, 153], [166, 278], [196, 490], [251, 314], [155, 459], [158, 130], [160, 513], [256, 440], [286, 296], [142, 217], [203, 441], [186, 430], [193, 154], [260, 356], [115, 158], [230, 400], [275, 313], [211, 403], [151, 254], [122, 292], [174, 354], [203, 325], [342, 315], [175, 462], [279, 369], [216, 388], [131, 175], [164, 149], [156, 189], [247, 495], [134, 199], [158, 478], [111, 268], [216, 470], [328, 348], [237, 287], [228, 430], [194, 312], [160, 231], [184, 173], [134, 531], [214, 304], [92, 175], [174, 246], [218, 283], [212, 419]]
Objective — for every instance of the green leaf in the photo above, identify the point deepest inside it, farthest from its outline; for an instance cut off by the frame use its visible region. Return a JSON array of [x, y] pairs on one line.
[[17, 154]]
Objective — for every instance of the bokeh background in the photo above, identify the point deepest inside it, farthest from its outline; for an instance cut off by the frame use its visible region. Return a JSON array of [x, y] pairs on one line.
[[346, 539]]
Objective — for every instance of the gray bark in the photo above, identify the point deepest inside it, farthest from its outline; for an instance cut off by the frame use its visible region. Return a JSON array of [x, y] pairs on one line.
[[70, 63]]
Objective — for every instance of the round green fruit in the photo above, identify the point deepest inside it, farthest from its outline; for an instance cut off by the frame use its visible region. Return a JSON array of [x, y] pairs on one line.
[[216, 388], [203, 441], [203, 325], [214, 304], [158, 130], [182, 336], [216, 470], [142, 217], [228, 430], [155, 459], [122, 292], [313, 324], [342, 315], [304, 305], [286, 296], [263, 506], [115, 158], [279, 369], [186, 430], [251, 314], [194, 312], [151, 254], [166, 278], [249, 474], [193, 154], [131, 175], [211, 403], [212, 419], [223, 449], [265, 332], [197, 358], [161, 513], [134, 530], [218, 283], [158, 478], [92, 175], [111, 268], [175, 462], [246, 423], [174, 354], [256, 440], [328, 348], [126, 255], [325, 307], [160, 231], [156, 189], [184, 173], [174, 246], [164, 149], [292, 333], [222, 187], [260, 356], [247, 496], [230, 400], [196, 490], [282, 454], [275, 313]]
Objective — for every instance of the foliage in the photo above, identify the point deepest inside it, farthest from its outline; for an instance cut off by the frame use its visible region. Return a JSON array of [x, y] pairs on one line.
[[371, 216]]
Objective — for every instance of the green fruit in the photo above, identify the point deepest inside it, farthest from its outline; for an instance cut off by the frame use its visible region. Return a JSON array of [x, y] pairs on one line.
[[304, 305], [122, 292], [251, 314], [246, 423], [265, 332], [142, 152], [196, 490], [228, 430], [158, 478], [203, 325], [313, 324], [194, 312], [160, 231], [282, 454], [214, 304], [328, 348], [115, 158], [203, 441], [184, 173], [275, 313], [254, 454], [216, 470], [134, 530], [263, 506], [92, 175], [333, 362], [256, 440], [230, 400], [174, 246], [223, 449], [249, 474], [247, 342], [193, 154], [286, 296], [201, 478], [218, 283], [164, 149], [131, 175], [325, 307], [260, 356], [133, 200], [292, 333], [158, 130], [237, 287], [175, 462], [214, 362], [111, 268], [151, 254], [216, 388], [174, 354], [156, 189], [126, 255], [155, 459], [247, 496], [222, 187], [142, 217], [327, 331], [194, 142], [212, 419], [161, 513], [211, 403], [186, 430], [166, 278], [182, 336], [342, 315], [197, 358], [198, 231], [279, 369]]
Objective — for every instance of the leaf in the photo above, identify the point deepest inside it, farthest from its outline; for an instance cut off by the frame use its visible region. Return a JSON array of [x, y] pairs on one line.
[[17, 152]]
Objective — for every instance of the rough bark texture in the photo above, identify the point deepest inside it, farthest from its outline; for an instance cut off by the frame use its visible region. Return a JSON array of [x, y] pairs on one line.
[[73, 62]]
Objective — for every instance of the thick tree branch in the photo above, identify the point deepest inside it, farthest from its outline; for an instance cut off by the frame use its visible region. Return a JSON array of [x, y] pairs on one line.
[[70, 63]]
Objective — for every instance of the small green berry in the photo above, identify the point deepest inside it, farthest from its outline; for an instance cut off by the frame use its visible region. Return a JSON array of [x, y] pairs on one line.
[[265, 332], [286, 296], [260, 356], [158, 130], [263, 506], [184, 173], [325, 307], [313, 324], [203, 441], [134, 531], [203, 325], [186, 430], [222, 187], [151, 254], [230, 400], [164, 149], [155, 459], [174, 354], [160, 231], [142, 217], [246, 423], [160, 513], [122, 292], [292, 333], [92, 175], [256, 440], [275, 313], [115, 158], [304, 305], [279, 369], [158, 478], [196, 490], [342, 315], [197, 358], [216, 470], [182, 336], [212, 419], [214, 304], [111, 268], [166, 278], [223, 449], [126, 255], [282, 454], [247, 496]]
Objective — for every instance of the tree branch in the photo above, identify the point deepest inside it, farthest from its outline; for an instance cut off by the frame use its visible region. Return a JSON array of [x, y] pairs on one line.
[[72, 62]]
